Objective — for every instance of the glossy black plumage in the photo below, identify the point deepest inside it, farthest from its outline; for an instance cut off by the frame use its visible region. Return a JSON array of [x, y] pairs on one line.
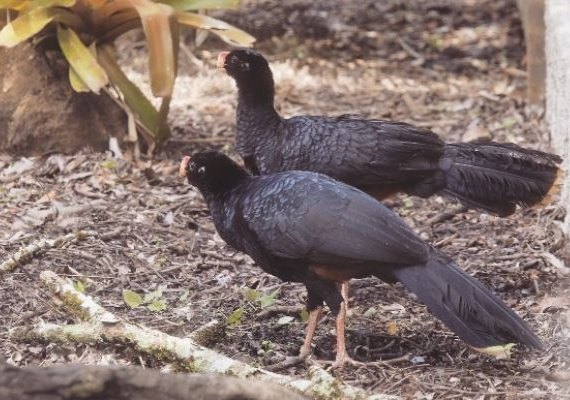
[[381, 156], [306, 227]]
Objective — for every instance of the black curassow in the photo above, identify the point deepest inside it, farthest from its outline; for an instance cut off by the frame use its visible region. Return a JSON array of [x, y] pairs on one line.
[[382, 157], [306, 227]]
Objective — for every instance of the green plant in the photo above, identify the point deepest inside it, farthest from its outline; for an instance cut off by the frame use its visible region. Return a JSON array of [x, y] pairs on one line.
[[153, 301], [87, 29]]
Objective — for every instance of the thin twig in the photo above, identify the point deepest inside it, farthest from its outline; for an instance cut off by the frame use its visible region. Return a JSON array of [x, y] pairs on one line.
[[447, 215]]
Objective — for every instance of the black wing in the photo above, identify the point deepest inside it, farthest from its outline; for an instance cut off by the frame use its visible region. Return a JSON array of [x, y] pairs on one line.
[[302, 215], [359, 151]]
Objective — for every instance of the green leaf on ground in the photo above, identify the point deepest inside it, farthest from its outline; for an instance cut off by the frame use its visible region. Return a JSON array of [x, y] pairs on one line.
[[234, 318], [133, 299], [157, 305], [269, 300]]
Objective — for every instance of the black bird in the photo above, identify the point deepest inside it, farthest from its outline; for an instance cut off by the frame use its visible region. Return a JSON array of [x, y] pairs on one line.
[[306, 227], [382, 157]]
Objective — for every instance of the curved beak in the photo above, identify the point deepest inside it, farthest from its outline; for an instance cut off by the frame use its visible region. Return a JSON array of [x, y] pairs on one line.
[[183, 171], [221, 64]]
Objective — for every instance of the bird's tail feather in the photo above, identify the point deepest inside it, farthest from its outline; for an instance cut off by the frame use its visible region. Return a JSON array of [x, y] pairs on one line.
[[469, 309], [497, 177]]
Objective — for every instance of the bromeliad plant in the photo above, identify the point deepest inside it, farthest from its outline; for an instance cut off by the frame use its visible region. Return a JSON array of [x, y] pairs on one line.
[[86, 31]]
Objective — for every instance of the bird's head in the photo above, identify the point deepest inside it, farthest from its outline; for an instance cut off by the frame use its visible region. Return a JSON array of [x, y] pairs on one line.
[[251, 72], [212, 172], [242, 63]]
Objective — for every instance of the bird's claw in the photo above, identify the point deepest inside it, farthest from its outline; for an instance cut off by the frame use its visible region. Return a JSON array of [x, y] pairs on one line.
[[343, 359]]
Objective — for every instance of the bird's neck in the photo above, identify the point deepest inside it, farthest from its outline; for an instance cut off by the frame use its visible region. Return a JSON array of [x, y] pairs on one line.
[[257, 91], [219, 189], [257, 119]]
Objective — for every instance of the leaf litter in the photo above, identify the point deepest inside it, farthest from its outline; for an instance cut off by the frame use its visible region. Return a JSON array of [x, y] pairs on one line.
[[452, 66]]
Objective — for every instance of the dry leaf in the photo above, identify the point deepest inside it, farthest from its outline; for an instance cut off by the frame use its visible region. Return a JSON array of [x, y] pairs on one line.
[[555, 302], [392, 328], [48, 197]]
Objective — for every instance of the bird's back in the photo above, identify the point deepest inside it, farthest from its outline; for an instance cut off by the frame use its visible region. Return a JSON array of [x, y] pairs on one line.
[[352, 149], [309, 216]]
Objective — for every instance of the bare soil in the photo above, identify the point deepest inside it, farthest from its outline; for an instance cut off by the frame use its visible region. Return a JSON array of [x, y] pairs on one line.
[[454, 66], [40, 113]]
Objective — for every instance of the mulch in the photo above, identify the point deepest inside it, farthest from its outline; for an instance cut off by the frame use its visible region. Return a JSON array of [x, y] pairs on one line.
[[455, 67]]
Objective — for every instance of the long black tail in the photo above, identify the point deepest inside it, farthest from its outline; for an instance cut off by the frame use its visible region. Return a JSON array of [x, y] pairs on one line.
[[462, 303], [497, 177]]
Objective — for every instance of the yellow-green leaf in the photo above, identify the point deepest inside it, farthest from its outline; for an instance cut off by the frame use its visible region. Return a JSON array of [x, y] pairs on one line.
[[132, 299], [500, 352], [156, 21], [187, 5], [225, 31], [30, 5], [269, 300], [157, 305], [235, 317], [154, 295], [142, 108], [25, 26], [162, 131], [79, 286], [76, 83], [109, 164], [13, 4], [97, 3], [251, 295], [81, 60]]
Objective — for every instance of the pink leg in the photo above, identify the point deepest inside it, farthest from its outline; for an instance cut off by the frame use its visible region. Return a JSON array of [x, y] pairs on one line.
[[314, 317], [341, 354]]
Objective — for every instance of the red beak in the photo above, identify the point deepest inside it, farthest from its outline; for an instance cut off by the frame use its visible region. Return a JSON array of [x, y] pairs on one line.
[[222, 59], [183, 171]]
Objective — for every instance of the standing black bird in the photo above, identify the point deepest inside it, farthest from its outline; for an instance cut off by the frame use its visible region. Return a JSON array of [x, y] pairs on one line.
[[382, 157], [306, 227]]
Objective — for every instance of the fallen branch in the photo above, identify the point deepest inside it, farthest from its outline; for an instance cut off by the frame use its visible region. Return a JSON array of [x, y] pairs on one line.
[[65, 382], [25, 254], [101, 325]]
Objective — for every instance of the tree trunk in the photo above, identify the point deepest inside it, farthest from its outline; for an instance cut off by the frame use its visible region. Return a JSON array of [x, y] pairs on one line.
[[65, 382], [532, 15], [40, 112], [557, 18]]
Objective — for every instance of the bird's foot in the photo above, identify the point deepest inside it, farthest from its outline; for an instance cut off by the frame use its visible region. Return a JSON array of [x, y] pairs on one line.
[[339, 362], [343, 359]]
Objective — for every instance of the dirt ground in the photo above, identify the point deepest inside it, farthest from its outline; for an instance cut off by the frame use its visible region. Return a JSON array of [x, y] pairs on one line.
[[454, 66]]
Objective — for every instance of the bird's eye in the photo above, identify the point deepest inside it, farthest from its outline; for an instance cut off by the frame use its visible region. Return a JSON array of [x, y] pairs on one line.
[[192, 166], [233, 60], [244, 66], [201, 170]]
